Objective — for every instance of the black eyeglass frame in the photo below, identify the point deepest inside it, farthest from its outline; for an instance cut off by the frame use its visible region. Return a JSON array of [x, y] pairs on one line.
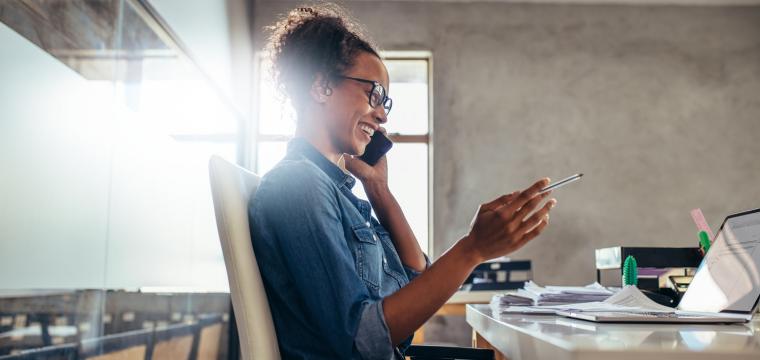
[[386, 102]]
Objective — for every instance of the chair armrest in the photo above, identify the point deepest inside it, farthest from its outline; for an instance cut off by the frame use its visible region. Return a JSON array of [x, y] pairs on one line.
[[429, 352]]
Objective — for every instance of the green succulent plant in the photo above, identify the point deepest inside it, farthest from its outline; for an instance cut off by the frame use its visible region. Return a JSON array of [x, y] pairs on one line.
[[630, 271]]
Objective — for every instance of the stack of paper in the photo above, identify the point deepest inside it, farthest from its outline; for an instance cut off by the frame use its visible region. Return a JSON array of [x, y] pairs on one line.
[[512, 300], [534, 294], [629, 299]]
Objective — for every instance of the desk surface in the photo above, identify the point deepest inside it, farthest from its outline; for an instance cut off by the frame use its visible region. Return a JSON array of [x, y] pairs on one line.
[[474, 297], [555, 337]]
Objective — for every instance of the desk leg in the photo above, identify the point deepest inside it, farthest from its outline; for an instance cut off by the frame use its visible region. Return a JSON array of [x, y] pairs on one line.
[[479, 342]]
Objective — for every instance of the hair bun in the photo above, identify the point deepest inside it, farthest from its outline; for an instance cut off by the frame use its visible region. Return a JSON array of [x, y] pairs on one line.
[[310, 40]]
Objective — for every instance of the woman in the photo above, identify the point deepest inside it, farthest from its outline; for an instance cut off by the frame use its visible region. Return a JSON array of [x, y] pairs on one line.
[[340, 283]]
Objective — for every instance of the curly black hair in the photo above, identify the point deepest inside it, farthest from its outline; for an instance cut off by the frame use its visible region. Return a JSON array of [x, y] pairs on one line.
[[310, 40]]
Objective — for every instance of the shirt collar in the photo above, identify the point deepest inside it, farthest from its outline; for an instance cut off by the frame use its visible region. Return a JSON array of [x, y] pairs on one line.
[[300, 146]]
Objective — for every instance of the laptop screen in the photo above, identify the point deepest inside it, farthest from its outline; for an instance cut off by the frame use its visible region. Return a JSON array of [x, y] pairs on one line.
[[728, 279]]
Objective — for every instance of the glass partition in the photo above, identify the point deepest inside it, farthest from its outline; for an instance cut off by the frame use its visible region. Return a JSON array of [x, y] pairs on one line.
[[107, 230]]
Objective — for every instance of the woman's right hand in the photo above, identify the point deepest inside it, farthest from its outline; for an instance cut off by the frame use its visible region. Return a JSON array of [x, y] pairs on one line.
[[499, 227], [508, 222]]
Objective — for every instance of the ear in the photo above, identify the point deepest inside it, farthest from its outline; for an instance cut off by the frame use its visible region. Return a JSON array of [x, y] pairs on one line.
[[320, 89]]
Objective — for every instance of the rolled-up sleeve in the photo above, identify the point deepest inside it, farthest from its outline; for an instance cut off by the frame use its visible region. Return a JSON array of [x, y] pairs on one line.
[[411, 273], [306, 219], [373, 339]]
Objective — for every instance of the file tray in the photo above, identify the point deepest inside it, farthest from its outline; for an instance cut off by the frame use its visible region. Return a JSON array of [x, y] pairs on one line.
[[499, 275], [652, 263]]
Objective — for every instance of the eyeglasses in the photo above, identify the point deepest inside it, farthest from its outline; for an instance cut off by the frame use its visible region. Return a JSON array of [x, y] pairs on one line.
[[378, 96]]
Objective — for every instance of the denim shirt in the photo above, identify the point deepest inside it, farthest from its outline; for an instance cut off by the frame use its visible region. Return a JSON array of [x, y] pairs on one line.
[[325, 261]]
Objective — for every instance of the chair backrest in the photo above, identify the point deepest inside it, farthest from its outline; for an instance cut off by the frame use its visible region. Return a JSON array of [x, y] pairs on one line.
[[231, 189]]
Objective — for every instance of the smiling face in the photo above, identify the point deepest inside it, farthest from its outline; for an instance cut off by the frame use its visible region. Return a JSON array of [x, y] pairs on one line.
[[347, 114]]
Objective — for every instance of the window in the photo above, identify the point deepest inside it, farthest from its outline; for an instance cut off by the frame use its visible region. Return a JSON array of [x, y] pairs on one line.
[[408, 126]]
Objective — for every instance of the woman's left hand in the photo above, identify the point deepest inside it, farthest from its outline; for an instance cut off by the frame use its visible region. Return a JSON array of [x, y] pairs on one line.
[[368, 175]]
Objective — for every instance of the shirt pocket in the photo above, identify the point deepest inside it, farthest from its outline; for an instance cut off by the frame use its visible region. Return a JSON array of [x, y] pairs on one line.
[[391, 261], [369, 255]]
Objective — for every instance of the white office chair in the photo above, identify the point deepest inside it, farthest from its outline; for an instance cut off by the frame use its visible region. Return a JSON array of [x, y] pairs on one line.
[[231, 188]]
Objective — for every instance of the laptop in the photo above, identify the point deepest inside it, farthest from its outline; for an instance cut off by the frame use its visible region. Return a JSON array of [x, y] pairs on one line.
[[725, 288]]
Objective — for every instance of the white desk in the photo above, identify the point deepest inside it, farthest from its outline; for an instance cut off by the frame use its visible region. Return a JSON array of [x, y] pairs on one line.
[[517, 337], [474, 297]]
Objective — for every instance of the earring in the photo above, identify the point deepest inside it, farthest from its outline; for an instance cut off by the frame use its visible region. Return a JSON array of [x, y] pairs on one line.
[[328, 91]]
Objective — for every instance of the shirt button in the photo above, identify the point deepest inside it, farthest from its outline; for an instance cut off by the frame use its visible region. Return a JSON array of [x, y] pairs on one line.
[[385, 261], [367, 223], [374, 236]]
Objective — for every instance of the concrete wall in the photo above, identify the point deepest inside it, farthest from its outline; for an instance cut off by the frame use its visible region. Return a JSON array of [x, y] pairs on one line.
[[659, 106]]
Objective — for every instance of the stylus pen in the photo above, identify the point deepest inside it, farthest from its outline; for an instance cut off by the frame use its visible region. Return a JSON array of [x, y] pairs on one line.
[[561, 183]]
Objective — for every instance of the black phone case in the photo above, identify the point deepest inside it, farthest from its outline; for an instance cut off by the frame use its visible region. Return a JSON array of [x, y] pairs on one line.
[[377, 147]]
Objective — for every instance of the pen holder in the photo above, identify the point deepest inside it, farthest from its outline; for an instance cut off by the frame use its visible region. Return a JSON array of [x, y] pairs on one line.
[[654, 264]]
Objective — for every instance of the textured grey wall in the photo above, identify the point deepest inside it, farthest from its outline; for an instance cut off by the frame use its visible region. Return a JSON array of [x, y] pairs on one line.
[[658, 106]]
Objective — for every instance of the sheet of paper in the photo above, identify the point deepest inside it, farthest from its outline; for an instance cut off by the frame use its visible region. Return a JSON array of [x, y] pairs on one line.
[[632, 297], [594, 288], [526, 310]]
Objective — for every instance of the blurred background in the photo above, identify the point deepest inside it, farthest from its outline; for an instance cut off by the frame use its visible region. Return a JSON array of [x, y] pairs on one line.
[[110, 109]]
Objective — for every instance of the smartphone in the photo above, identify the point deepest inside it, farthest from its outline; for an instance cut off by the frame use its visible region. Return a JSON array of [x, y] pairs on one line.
[[377, 147], [561, 183]]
